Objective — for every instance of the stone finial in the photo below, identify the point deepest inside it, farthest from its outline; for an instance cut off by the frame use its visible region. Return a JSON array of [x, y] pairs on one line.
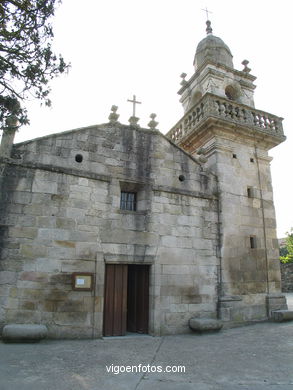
[[12, 125], [209, 29], [246, 69], [183, 81], [12, 122], [113, 117], [153, 124], [133, 120]]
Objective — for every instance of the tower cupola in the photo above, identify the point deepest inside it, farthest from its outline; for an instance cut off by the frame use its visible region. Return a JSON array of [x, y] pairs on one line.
[[212, 49], [214, 73]]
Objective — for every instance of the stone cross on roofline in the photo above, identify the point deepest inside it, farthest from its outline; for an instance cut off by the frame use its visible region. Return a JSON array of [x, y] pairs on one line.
[[133, 120], [134, 101]]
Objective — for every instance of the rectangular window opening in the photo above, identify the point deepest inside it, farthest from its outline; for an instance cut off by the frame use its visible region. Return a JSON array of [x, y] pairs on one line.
[[234, 155], [128, 201], [250, 192], [252, 160], [252, 242]]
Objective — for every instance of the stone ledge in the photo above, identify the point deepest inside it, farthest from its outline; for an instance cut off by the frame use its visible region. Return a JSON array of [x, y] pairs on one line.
[[205, 325], [24, 333], [282, 315]]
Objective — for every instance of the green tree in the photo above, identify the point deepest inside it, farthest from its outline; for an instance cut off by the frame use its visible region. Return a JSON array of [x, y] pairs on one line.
[[288, 257], [27, 62]]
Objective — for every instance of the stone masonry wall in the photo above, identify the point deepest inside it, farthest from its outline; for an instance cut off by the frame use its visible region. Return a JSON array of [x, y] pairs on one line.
[[60, 216], [249, 274], [287, 277]]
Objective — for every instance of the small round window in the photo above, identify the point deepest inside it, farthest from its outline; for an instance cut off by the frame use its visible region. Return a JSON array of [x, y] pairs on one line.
[[78, 158]]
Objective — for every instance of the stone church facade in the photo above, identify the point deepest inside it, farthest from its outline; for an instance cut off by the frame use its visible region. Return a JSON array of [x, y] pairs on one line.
[[116, 228]]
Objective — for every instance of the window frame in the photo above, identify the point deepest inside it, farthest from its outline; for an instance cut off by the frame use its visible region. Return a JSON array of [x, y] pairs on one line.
[[128, 200]]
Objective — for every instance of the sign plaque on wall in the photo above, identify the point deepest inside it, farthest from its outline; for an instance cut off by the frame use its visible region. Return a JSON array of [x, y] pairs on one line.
[[82, 281]]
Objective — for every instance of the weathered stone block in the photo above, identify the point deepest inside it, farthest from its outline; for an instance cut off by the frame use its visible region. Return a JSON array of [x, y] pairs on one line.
[[58, 252], [178, 308], [33, 251], [25, 333], [22, 232], [72, 318], [53, 234], [44, 264], [77, 266], [282, 315], [65, 223], [86, 251], [276, 302], [49, 187], [27, 305], [205, 325], [7, 277], [18, 316], [34, 276]]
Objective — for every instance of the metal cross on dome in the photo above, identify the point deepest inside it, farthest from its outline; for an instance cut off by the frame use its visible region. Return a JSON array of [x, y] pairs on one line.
[[134, 101], [207, 12]]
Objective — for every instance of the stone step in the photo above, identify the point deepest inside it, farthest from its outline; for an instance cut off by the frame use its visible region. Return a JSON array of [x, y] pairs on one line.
[[24, 333], [205, 324], [282, 315]]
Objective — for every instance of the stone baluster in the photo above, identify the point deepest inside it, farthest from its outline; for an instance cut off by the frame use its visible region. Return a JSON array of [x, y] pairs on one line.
[[261, 121], [273, 125], [202, 110], [230, 111], [250, 117], [187, 123], [217, 107], [254, 118], [222, 109]]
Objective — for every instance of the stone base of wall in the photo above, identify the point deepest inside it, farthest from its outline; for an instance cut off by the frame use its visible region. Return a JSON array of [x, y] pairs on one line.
[[287, 277], [237, 310], [276, 302], [243, 309]]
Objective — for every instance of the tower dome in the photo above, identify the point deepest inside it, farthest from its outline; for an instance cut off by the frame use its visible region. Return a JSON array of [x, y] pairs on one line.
[[214, 49]]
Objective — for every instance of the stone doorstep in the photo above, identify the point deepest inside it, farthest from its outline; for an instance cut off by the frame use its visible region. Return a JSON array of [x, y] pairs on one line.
[[282, 315], [24, 333], [205, 325]]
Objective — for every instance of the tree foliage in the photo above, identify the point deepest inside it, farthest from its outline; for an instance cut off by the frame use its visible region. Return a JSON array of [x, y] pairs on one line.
[[288, 256], [27, 62]]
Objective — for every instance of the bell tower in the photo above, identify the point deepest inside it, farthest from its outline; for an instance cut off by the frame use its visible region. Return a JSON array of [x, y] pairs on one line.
[[221, 122]]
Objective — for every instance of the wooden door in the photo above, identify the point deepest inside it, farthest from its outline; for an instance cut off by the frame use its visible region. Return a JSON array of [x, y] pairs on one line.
[[138, 298], [115, 306]]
